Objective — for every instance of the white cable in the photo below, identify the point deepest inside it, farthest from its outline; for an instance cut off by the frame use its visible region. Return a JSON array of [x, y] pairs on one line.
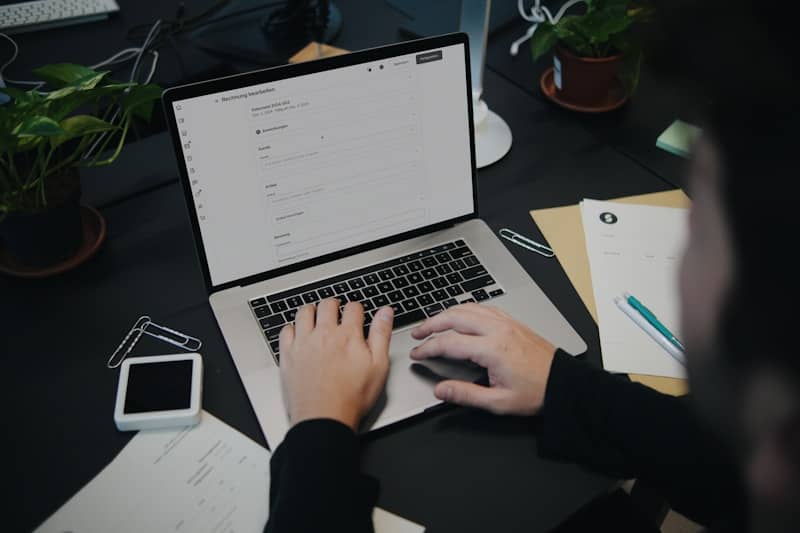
[[538, 14]]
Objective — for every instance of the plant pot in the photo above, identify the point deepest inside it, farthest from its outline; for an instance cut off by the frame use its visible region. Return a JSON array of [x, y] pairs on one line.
[[585, 81], [48, 236]]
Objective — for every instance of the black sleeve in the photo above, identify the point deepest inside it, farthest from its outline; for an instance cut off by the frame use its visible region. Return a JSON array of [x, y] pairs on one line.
[[627, 430], [316, 484]]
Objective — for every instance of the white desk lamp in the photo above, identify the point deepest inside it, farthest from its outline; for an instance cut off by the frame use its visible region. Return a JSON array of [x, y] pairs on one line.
[[492, 135]]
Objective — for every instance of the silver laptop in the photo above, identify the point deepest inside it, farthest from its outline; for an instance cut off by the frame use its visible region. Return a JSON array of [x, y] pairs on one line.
[[350, 177]]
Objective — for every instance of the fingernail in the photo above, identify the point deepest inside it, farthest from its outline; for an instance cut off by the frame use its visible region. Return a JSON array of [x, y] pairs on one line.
[[447, 393], [384, 313]]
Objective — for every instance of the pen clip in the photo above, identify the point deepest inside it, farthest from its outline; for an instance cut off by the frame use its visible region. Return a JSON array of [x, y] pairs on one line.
[[526, 243]]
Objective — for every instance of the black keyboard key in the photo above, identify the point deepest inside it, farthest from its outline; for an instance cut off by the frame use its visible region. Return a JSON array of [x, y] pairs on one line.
[[289, 315], [355, 296], [443, 269], [385, 287], [356, 283], [430, 262], [443, 258], [458, 253], [386, 274], [410, 292], [458, 264], [262, 311], [415, 277], [496, 292], [460, 242], [341, 288], [368, 305], [370, 291], [395, 296], [477, 283], [415, 266], [410, 305], [274, 345], [468, 301], [454, 278], [367, 318], [279, 307], [440, 295], [380, 300], [398, 310], [371, 279], [480, 295], [433, 310], [449, 303], [326, 292], [258, 302], [400, 282], [471, 260], [425, 286], [270, 322], [425, 299], [428, 273], [454, 290], [311, 297], [425, 253], [473, 272], [274, 333], [405, 319], [294, 301], [448, 246], [440, 283], [401, 270]]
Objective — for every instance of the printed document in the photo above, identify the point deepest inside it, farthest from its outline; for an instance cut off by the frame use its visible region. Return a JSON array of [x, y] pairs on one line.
[[635, 249]]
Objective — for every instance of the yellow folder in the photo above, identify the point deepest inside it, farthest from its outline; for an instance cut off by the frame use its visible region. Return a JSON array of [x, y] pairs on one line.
[[563, 229]]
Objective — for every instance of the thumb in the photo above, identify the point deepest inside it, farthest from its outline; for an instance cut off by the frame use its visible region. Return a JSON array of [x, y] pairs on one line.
[[380, 333], [470, 395]]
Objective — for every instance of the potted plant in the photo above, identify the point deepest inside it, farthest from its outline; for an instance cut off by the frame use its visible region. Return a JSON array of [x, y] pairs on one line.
[[597, 55], [44, 138]]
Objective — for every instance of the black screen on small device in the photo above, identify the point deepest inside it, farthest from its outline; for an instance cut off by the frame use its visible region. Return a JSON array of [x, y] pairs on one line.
[[159, 387]]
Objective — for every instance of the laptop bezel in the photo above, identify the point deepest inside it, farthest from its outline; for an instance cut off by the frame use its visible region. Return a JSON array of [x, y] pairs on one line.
[[282, 72]]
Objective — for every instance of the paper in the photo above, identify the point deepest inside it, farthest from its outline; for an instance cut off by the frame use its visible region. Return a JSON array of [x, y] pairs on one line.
[[635, 249], [678, 138], [563, 229], [204, 478]]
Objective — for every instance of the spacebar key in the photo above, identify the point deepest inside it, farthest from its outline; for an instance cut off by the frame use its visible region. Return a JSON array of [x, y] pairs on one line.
[[408, 318], [477, 283]]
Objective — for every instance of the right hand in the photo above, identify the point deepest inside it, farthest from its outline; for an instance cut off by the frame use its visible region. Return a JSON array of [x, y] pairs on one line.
[[517, 359]]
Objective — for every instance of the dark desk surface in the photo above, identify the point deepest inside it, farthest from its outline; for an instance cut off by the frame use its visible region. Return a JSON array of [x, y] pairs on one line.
[[452, 470]]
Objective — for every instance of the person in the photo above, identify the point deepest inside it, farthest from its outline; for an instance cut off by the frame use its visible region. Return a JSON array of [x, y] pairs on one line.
[[728, 455]]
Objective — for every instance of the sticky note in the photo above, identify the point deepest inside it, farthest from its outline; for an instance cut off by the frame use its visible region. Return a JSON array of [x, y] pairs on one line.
[[678, 138]]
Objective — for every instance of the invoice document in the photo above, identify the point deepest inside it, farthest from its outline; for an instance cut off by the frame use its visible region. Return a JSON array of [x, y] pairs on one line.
[[635, 249], [205, 478]]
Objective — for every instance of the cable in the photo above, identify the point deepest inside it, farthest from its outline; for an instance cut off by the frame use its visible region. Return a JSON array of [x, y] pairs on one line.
[[538, 14]]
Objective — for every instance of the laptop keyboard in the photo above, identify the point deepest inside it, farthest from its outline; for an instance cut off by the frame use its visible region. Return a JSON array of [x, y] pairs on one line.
[[416, 286]]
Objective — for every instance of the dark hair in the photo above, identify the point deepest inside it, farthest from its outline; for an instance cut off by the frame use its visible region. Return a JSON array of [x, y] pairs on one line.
[[737, 60]]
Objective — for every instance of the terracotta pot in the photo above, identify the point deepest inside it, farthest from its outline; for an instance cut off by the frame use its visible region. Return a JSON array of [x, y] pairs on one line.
[[43, 238], [585, 81]]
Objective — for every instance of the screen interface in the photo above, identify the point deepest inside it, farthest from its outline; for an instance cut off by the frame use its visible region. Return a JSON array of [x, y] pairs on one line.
[[158, 387]]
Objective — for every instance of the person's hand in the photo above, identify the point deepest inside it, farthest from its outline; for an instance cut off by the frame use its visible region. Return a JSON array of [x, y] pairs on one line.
[[328, 370], [517, 359]]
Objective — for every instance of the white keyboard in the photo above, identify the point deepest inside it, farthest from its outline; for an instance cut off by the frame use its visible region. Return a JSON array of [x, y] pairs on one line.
[[42, 14]]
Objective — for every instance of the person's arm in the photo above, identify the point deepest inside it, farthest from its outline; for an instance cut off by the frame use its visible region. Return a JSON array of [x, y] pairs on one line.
[[331, 376], [316, 482], [628, 430]]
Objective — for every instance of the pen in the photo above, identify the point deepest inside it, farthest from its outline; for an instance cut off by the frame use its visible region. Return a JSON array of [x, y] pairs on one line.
[[650, 317], [648, 328]]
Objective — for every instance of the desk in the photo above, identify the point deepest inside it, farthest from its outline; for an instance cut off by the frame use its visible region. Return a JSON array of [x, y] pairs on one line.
[[451, 470]]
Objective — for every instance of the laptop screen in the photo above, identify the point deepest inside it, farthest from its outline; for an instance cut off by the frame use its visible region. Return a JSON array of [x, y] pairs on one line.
[[294, 169]]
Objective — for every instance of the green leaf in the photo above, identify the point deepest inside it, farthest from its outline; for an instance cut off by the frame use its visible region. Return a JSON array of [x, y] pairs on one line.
[[38, 126], [80, 125], [140, 100], [63, 74], [82, 85], [543, 40]]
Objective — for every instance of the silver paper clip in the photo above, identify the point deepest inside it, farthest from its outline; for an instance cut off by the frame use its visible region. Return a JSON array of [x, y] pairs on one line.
[[526, 243], [146, 326]]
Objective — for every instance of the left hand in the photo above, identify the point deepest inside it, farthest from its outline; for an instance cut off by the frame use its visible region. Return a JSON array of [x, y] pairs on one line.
[[328, 370]]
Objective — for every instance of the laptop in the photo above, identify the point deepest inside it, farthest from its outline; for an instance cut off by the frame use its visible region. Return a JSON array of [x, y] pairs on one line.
[[350, 177]]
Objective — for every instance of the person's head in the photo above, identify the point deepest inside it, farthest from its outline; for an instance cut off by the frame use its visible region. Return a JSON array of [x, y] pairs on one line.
[[739, 282]]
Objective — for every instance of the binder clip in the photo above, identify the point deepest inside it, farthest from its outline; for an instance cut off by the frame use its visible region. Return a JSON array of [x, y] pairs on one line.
[[145, 326]]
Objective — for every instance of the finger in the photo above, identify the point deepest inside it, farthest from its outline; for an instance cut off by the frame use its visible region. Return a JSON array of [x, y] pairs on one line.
[[304, 320], [454, 345], [328, 312], [468, 320], [286, 338], [353, 316], [380, 333], [472, 395]]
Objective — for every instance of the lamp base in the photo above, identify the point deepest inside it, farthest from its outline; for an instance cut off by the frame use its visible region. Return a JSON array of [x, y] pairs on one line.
[[493, 137]]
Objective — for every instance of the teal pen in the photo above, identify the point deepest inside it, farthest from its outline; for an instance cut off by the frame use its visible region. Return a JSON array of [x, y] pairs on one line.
[[651, 318]]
